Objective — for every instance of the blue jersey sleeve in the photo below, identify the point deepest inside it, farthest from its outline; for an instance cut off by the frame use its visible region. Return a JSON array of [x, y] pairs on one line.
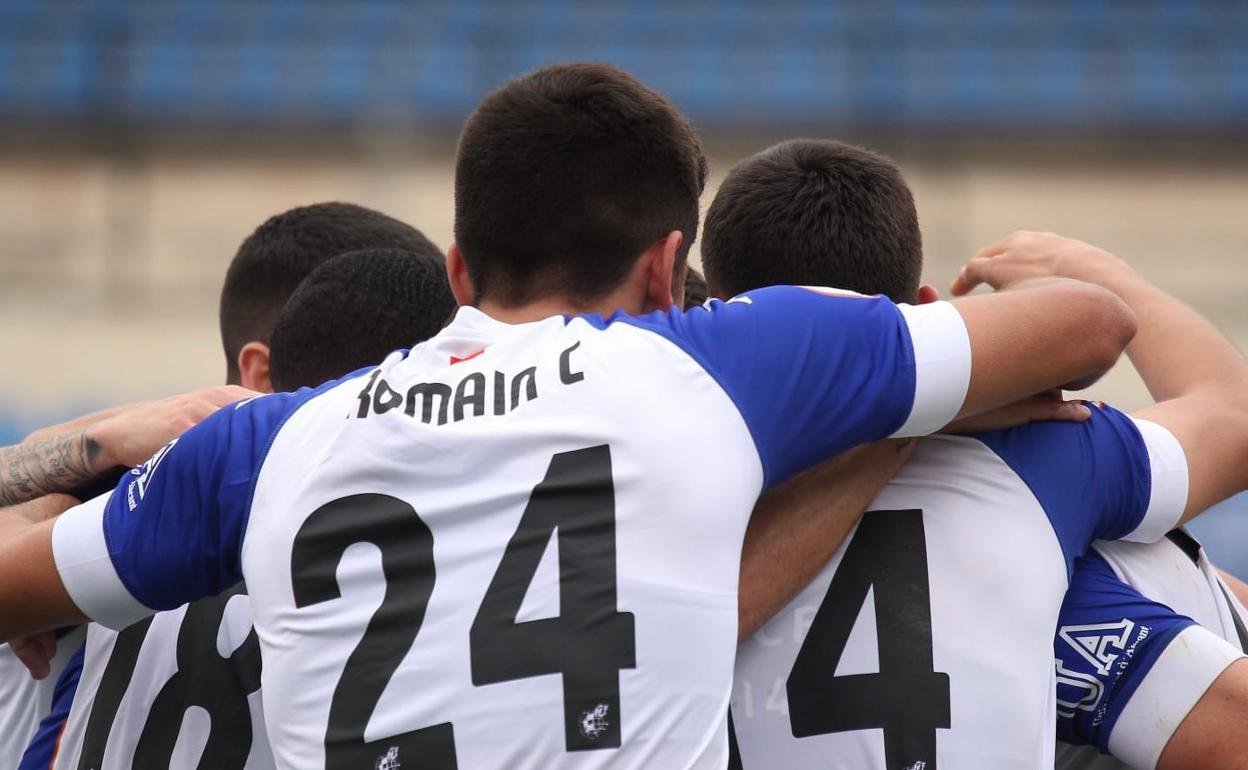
[[172, 530], [1129, 670], [41, 754], [815, 371], [1096, 479]]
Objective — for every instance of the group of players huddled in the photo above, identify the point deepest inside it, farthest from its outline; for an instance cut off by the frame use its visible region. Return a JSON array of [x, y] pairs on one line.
[[539, 503]]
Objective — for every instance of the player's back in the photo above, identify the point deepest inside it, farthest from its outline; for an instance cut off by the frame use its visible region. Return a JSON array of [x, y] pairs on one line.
[[927, 640], [518, 545], [549, 558]]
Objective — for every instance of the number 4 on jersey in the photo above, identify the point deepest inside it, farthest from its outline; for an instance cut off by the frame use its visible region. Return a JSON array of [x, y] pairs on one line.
[[908, 698], [590, 641]]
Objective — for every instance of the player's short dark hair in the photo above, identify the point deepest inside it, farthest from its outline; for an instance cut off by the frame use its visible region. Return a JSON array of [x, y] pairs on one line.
[[274, 259], [695, 289], [564, 176], [814, 212], [355, 309]]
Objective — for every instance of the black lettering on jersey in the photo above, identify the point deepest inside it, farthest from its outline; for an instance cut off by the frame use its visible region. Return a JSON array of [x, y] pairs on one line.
[[530, 392], [469, 397], [427, 392], [566, 375], [365, 396], [908, 698], [385, 398], [590, 640], [113, 684], [475, 398], [218, 685], [406, 546]]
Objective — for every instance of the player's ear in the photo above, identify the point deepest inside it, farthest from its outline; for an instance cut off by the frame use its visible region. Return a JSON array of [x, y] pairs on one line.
[[253, 367], [457, 274], [660, 267], [928, 293]]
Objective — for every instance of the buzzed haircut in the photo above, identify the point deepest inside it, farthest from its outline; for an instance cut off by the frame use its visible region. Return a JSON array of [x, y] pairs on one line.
[[695, 289], [274, 259], [564, 176], [814, 212], [355, 309]]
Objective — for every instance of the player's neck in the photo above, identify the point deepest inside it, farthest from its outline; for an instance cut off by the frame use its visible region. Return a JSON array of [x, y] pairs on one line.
[[545, 307]]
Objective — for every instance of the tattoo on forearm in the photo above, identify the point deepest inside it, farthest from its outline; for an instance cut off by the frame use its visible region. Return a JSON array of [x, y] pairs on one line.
[[57, 464]]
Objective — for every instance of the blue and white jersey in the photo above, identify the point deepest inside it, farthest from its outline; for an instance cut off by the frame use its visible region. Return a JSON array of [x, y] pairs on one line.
[[517, 546], [178, 690], [1129, 668], [926, 642]]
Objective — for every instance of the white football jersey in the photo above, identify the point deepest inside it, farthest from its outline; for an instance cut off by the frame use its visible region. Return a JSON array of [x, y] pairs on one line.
[[179, 690], [24, 701], [517, 546], [926, 643], [1164, 687]]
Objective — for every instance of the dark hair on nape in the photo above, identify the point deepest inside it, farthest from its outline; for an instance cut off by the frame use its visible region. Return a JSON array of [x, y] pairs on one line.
[[814, 212], [564, 176], [355, 309], [274, 259], [695, 289]]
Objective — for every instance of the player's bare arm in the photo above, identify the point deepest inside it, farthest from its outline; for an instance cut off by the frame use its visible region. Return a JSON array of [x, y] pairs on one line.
[[1200, 380], [78, 423], [68, 459], [798, 525], [1203, 740], [1040, 333]]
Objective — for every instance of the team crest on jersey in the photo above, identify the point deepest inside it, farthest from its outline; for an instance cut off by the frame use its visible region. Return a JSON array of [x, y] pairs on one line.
[[136, 488], [390, 761], [594, 722], [1098, 643]]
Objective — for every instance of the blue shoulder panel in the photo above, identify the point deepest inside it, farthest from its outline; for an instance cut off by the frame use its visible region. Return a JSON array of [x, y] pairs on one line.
[[811, 373], [1108, 638], [42, 750], [1092, 477], [174, 526]]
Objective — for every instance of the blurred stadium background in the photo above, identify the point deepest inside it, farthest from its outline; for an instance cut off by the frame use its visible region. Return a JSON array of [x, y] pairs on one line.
[[141, 140]]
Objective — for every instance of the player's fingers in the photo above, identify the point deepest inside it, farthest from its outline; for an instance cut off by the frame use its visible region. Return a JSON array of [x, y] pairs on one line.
[[995, 248], [972, 274], [36, 653]]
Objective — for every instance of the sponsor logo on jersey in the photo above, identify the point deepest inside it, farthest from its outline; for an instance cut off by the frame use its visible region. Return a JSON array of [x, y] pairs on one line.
[[1098, 643], [1076, 691], [474, 395], [594, 722], [1109, 649], [136, 488], [920, 765], [390, 761]]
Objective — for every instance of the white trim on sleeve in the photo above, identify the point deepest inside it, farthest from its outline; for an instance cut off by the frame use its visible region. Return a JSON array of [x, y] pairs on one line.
[[942, 366], [1178, 679], [87, 570], [1167, 483]]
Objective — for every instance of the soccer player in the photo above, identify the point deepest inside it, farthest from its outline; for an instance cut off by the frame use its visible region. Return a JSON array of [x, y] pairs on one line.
[[1153, 689], [395, 528], [133, 688], [277, 257], [966, 554], [73, 459], [354, 310]]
